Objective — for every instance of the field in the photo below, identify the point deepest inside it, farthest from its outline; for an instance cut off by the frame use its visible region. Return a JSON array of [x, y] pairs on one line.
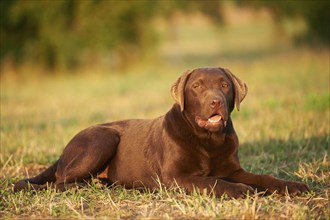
[[283, 127]]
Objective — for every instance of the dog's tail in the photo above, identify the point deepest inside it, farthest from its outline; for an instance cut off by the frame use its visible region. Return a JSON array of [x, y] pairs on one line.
[[38, 182]]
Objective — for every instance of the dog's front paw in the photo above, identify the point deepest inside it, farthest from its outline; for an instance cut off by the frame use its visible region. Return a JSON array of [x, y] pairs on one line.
[[237, 190], [292, 188]]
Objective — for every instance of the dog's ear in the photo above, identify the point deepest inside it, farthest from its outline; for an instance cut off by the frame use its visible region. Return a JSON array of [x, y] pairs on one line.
[[241, 88], [177, 89]]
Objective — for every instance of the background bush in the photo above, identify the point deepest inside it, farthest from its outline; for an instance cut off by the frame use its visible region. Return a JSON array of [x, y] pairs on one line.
[[63, 34]]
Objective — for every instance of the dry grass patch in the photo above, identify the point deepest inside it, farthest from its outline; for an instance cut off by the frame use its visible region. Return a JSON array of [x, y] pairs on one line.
[[97, 201]]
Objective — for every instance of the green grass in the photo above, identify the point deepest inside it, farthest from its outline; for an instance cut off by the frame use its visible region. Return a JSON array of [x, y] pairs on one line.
[[283, 127]]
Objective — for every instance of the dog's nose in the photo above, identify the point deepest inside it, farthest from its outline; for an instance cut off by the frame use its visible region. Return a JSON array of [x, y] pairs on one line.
[[216, 103]]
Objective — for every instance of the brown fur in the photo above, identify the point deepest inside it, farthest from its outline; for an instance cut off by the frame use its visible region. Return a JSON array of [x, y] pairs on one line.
[[194, 144]]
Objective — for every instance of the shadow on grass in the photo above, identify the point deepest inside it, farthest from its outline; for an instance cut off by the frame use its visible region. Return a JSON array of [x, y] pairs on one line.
[[304, 159]]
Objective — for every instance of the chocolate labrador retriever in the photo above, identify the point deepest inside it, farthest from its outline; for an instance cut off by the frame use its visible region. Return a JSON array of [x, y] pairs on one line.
[[194, 145]]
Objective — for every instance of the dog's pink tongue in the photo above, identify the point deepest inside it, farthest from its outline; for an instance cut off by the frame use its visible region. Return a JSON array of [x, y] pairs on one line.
[[215, 119]]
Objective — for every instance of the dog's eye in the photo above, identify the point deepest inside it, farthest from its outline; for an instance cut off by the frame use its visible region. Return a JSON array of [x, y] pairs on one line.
[[224, 85], [196, 85]]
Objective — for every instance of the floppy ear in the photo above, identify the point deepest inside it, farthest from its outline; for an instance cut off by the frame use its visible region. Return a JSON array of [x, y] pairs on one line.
[[240, 88], [177, 89]]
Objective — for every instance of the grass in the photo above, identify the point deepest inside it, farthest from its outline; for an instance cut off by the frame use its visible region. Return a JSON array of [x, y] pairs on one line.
[[283, 127]]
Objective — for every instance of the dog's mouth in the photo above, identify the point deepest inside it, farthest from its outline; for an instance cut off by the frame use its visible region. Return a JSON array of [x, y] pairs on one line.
[[214, 122], [215, 119]]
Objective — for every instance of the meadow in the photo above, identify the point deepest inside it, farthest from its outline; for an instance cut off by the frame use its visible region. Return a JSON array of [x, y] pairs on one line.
[[283, 127]]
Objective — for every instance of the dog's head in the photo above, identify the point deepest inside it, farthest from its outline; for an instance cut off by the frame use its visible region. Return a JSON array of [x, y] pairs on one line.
[[208, 96]]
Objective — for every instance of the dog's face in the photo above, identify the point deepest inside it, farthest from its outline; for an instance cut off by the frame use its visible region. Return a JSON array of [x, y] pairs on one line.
[[208, 95]]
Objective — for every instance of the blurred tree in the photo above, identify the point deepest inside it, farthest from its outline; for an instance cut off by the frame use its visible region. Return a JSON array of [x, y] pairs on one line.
[[315, 13], [61, 33]]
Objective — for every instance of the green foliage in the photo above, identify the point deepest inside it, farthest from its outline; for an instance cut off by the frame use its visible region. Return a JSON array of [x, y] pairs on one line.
[[63, 33], [60, 33], [315, 13]]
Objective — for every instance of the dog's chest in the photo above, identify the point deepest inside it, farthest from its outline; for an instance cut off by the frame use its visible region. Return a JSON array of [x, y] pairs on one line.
[[204, 163], [209, 160]]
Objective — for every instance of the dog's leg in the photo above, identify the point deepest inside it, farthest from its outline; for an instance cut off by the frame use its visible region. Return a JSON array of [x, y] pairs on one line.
[[86, 155], [214, 185], [269, 183]]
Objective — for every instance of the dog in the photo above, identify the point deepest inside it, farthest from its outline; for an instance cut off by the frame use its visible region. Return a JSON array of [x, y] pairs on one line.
[[194, 145]]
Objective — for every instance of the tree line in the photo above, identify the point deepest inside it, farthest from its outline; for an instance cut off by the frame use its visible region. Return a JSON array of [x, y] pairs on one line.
[[59, 34]]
